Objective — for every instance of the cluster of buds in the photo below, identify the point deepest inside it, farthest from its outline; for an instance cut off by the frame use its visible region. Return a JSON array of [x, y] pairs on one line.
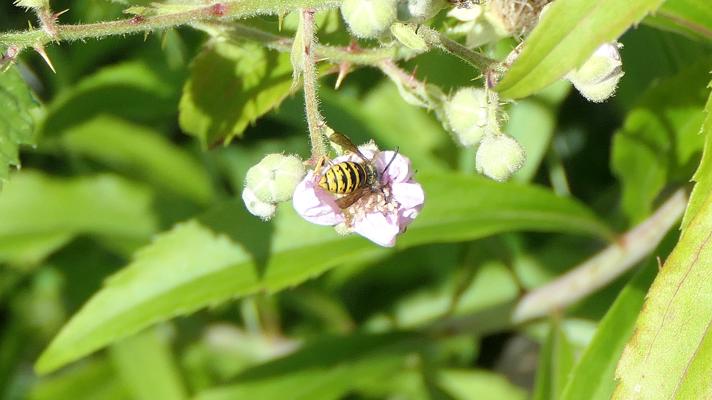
[[472, 115], [373, 18]]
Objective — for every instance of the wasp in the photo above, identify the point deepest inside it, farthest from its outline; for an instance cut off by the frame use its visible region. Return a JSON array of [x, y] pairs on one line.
[[351, 179]]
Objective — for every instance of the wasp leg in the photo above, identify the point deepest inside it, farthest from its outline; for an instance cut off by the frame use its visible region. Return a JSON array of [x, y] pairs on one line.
[[319, 166]]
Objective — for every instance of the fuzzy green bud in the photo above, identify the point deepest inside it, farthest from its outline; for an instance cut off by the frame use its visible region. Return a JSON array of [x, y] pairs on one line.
[[274, 178], [466, 114], [36, 4], [499, 157], [419, 10], [256, 206], [598, 77], [369, 18]]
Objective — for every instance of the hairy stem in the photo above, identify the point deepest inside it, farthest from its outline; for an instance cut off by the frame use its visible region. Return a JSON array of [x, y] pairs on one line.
[[605, 266], [227, 10], [315, 121], [436, 39]]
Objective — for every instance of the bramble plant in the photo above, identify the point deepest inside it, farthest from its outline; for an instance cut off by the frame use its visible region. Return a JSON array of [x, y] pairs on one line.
[[355, 199]]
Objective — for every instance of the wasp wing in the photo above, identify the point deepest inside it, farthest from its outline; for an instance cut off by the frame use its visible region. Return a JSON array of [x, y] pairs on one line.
[[351, 198], [347, 144]]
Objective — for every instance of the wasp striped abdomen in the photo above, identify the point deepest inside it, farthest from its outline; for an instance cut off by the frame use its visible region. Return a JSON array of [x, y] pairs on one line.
[[344, 177]]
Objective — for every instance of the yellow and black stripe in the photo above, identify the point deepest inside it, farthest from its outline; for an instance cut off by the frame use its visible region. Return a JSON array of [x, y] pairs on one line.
[[344, 177]]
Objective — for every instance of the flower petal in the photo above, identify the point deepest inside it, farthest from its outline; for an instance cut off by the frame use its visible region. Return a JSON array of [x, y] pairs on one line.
[[408, 195], [379, 228], [314, 204], [399, 169]]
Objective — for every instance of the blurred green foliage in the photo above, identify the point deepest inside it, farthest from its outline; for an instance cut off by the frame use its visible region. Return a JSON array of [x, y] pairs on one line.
[[129, 268]]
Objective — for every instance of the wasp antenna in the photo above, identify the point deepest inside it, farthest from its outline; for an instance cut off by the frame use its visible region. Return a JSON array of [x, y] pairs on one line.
[[391, 162]]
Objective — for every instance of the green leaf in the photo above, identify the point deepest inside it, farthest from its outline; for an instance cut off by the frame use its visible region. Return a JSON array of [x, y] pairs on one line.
[[229, 253], [140, 151], [325, 369], [95, 380], [567, 35], [492, 284], [703, 175], [145, 364], [136, 91], [691, 17], [40, 213], [532, 122], [231, 85], [669, 355], [593, 376], [659, 141], [465, 384], [17, 119], [462, 207], [555, 361]]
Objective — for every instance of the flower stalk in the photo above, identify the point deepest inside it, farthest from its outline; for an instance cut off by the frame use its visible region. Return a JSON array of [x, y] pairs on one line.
[[604, 267], [436, 39], [315, 121]]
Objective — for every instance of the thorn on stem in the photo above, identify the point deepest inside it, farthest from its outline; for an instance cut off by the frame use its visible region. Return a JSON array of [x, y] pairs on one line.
[[41, 51], [57, 14], [344, 69]]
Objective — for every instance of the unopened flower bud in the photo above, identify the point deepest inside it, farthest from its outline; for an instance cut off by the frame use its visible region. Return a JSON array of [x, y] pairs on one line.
[[36, 4], [418, 10], [499, 157], [369, 18], [467, 115], [598, 77], [273, 179], [256, 206]]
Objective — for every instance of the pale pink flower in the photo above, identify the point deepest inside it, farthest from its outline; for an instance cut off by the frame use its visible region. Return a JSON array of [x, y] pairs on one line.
[[379, 216]]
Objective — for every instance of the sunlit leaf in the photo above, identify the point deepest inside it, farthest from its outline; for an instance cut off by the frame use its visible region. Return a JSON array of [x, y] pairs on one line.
[[566, 36], [703, 176], [668, 355], [593, 376], [231, 85], [229, 254], [691, 17]]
